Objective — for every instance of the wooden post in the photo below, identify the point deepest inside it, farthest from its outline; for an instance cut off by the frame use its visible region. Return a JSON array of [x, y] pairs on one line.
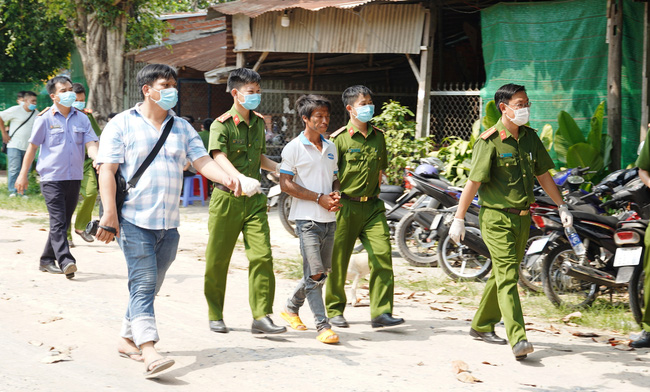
[[241, 60], [424, 82], [645, 99], [614, 37]]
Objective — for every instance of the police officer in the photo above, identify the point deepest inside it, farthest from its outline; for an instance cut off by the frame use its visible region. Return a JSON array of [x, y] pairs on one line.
[[362, 158], [643, 162], [505, 160], [237, 144]]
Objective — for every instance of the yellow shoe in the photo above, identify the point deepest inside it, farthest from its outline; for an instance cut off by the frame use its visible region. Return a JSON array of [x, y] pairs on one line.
[[294, 321], [328, 336]]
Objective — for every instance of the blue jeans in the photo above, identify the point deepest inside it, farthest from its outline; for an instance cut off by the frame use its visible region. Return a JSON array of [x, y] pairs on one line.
[[316, 243], [148, 254], [14, 163]]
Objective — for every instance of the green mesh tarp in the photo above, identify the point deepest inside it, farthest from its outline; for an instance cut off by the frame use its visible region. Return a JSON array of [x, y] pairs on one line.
[[557, 50]]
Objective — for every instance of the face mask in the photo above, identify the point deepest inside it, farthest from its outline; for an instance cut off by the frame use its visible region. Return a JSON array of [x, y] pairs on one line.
[[251, 101], [67, 98], [521, 116], [80, 105], [31, 106], [168, 98], [365, 113]]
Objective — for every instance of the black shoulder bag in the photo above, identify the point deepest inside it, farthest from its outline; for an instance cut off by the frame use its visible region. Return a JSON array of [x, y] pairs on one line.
[[122, 186], [4, 145]]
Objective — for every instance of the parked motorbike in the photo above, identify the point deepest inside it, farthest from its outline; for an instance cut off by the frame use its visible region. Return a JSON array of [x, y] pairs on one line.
[[629, 238], [283, 201]]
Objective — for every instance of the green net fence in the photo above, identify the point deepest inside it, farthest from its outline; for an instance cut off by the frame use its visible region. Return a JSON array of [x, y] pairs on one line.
[[558, 50]]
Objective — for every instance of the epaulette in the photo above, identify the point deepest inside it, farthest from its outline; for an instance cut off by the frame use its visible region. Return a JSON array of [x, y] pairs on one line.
[[224, 117], [377, 129], [337, 132], [43, 111], [488, 133], [260, 115]]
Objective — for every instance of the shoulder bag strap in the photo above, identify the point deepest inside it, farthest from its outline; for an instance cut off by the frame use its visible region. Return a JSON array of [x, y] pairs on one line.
[[136, 177], [24, 122]]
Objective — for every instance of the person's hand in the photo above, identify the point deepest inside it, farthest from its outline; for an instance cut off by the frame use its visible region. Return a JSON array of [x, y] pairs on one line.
[[249, 186], [565, 215], [328, 203], [277, 168], [336, 197], [457, 230], [21, 183], [234, 185], [5, 138], [108, 220]]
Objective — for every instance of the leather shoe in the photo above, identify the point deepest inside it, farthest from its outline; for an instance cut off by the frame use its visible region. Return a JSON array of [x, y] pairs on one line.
[[265, 325], [522, 349], [86, 237], [386, 320], [51, 268], [487, 337], [69, 270], [218, 326], [339, 321], [642, 341]]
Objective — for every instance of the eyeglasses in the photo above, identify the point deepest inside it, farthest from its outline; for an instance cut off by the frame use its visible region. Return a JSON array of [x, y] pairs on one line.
[[520, 105]]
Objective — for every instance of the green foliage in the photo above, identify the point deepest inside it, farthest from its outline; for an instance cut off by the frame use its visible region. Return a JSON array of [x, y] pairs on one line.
[[457, 156], [492, 115], [34, 45], [404, 149]]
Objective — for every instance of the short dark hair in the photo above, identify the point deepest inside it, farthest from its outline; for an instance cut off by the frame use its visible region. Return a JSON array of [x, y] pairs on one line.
[[152, 72], [207, 123], [111, 115], [505, 93], [78, 88], [29, 94], [20, 95], [242, 76], [351, 93], [306, 104], [51, 84]]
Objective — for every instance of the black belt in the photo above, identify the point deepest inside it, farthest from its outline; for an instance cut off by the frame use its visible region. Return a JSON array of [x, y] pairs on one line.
[[361, 199], [222, 187], [516, 211]]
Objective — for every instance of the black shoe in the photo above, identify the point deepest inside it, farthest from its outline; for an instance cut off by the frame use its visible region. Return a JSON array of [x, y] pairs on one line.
[[339, 321], [386, 320], [265, 325], [51, 268], [487, 337], [642, 341], [69, 270], [70, 243], [522, 349], [86, 237], [218, 326]]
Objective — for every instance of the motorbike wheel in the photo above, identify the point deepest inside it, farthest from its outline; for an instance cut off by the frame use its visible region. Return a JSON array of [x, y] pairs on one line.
[[284, 207], [635, 290], [411, 234], [561, 289], [460, 262], [530, 269]]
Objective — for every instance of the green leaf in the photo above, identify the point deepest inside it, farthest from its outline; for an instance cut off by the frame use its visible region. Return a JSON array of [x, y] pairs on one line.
[[568, 133], [547, 137], [492, 115], [606, 149], [584, 155], [476, 132], [595, 134]]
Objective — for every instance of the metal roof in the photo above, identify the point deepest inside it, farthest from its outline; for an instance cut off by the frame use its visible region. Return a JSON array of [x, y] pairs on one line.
[[202, 54], [254, 8]]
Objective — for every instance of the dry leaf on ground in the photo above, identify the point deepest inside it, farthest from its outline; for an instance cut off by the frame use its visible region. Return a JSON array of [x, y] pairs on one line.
[[585, 334], [57, 355], [440, 308], [51, 320], [411, 295], [35, 343], [459, 366], [467, 378], [488, 363], [570, 316]]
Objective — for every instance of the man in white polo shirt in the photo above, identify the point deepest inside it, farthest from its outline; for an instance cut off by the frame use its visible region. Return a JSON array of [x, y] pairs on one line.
[[308, 173]]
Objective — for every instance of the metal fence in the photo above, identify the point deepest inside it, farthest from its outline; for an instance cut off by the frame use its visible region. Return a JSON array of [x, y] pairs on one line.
[[454, 109]]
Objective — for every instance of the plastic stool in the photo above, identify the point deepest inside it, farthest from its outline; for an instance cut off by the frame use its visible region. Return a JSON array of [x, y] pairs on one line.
[[188, 196]]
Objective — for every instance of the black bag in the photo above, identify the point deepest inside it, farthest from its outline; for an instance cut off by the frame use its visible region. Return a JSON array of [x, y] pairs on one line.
[[122, 186], [4, 145]]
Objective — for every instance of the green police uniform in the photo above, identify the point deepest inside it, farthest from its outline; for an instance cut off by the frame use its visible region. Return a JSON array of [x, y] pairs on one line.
[[506, 169], [244, 145], [360, 161], [643, 162]]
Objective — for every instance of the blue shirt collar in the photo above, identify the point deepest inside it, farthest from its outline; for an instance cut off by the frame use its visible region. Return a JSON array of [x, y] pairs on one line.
[[306, 141]]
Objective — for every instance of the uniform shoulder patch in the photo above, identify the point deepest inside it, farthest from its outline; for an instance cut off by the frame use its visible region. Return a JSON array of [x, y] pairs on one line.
[[224, 117], [43, 111], [260, 115], [337, 132], [377, 129], [488, 133]]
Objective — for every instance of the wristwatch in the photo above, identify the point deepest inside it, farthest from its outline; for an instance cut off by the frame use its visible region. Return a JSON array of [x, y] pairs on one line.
[[318, 198]]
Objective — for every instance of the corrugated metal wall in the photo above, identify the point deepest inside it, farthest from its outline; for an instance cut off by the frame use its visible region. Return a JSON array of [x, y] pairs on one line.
[[381, 28]]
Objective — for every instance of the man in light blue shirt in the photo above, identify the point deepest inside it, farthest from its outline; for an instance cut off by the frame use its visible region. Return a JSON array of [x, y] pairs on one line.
[[63, 133], [146, 226]]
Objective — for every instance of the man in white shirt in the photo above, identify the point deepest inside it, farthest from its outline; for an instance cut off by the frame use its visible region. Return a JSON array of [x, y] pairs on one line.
[[21, 119], [308, 173]]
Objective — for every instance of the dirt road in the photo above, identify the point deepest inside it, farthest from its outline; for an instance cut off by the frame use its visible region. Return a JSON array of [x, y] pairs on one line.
[[39, 311]]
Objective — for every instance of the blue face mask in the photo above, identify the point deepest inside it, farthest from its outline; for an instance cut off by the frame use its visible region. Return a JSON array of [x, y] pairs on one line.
[[168, 98], [31, 106], [67, 98], [80, 105], [251, 101], [365, 113]]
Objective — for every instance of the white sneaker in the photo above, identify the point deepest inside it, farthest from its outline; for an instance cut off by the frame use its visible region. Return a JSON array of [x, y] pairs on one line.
[[25, 196], [12, 195]]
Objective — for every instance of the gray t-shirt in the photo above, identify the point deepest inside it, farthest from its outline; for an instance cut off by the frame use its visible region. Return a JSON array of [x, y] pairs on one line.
[[13, 117]]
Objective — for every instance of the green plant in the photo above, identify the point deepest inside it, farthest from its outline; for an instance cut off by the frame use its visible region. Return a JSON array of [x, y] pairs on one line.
[[404, 149]]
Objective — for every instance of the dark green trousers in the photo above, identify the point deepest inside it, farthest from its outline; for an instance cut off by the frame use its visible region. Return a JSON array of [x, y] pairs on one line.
[[367, 222], [505, 235], [645, 321], [229, 216]]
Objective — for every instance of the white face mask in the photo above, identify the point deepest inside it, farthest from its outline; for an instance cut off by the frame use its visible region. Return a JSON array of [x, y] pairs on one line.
[[521, 116]]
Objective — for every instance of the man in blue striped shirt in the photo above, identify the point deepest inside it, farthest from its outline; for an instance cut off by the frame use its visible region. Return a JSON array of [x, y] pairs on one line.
[[146, 229]]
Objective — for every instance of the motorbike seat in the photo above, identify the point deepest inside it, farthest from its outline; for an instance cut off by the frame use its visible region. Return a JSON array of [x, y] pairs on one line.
[[640, 224], [610, 221]]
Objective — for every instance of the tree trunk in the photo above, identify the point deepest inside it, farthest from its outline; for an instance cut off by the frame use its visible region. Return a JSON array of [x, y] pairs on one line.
[[102, 53]]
